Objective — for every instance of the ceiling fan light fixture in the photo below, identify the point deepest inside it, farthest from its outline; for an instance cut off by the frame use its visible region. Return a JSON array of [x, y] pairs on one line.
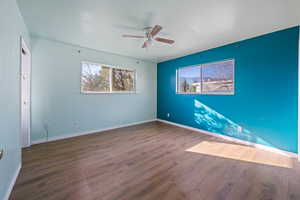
[[149, 42]]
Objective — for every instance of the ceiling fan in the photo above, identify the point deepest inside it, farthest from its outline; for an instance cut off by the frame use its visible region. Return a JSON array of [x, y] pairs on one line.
[[150, 34]]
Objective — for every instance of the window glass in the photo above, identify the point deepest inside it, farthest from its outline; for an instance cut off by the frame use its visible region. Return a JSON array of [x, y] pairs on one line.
[[98, 78], [210, 78], [95, 78], [217, 77], [189, 79], [123, 80]]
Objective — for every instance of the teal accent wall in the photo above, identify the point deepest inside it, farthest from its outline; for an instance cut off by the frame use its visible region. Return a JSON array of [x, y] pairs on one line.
[[12, 27], [60, 109], [266, 92]]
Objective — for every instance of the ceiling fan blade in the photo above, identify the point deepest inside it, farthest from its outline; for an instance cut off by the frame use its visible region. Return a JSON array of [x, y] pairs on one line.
[[155, 30], [133, 36], [164, 40]]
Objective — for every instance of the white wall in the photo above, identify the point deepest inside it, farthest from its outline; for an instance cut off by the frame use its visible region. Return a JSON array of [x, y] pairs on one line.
[[12, 27], [60, 109]]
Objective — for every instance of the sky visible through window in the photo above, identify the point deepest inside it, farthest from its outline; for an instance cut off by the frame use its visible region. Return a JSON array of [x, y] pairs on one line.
[[222, 70], [214, 77], [211, 70], [90, 68], [190, 72]]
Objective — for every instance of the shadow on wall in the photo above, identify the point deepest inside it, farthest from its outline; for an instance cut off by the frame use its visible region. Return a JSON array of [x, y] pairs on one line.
[[212, 121]]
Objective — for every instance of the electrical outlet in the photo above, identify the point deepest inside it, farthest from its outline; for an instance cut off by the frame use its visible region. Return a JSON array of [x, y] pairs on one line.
[[1, 153], [168, 115]]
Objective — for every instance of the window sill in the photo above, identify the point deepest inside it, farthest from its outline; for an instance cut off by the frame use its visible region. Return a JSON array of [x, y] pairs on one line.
[[210, 93], [116, 92]]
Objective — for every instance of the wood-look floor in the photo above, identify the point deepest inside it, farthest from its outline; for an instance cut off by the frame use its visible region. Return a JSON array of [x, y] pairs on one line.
[[154, 161]]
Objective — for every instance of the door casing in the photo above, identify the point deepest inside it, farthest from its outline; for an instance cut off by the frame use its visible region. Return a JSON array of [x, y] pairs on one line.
[[25, 93]]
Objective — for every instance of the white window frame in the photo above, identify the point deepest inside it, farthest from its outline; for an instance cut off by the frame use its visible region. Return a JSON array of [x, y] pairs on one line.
[[201, 92], [111, 67]]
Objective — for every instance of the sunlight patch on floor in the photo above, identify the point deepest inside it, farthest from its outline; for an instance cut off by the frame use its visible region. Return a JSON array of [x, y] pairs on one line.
[[242, 153]]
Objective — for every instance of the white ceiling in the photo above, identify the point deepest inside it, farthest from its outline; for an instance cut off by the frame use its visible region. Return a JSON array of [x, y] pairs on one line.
[[195, 25]]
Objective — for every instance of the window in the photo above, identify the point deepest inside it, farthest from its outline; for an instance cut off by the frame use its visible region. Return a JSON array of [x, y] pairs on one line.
[[123, 80], [189, 79], [98, 78], [217, 77], [211, 78], [95, 78]]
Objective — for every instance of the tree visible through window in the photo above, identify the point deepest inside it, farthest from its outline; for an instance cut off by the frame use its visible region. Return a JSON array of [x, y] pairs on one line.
[[97, 78], [123, 80], [211, 78]]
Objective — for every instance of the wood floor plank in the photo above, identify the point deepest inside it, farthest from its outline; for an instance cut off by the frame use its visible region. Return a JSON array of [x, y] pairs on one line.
[[154, 161]]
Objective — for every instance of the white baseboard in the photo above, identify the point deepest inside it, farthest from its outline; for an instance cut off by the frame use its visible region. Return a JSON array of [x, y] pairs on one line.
[[50, 139], [271, 149], [260, 146], [12, 183]]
